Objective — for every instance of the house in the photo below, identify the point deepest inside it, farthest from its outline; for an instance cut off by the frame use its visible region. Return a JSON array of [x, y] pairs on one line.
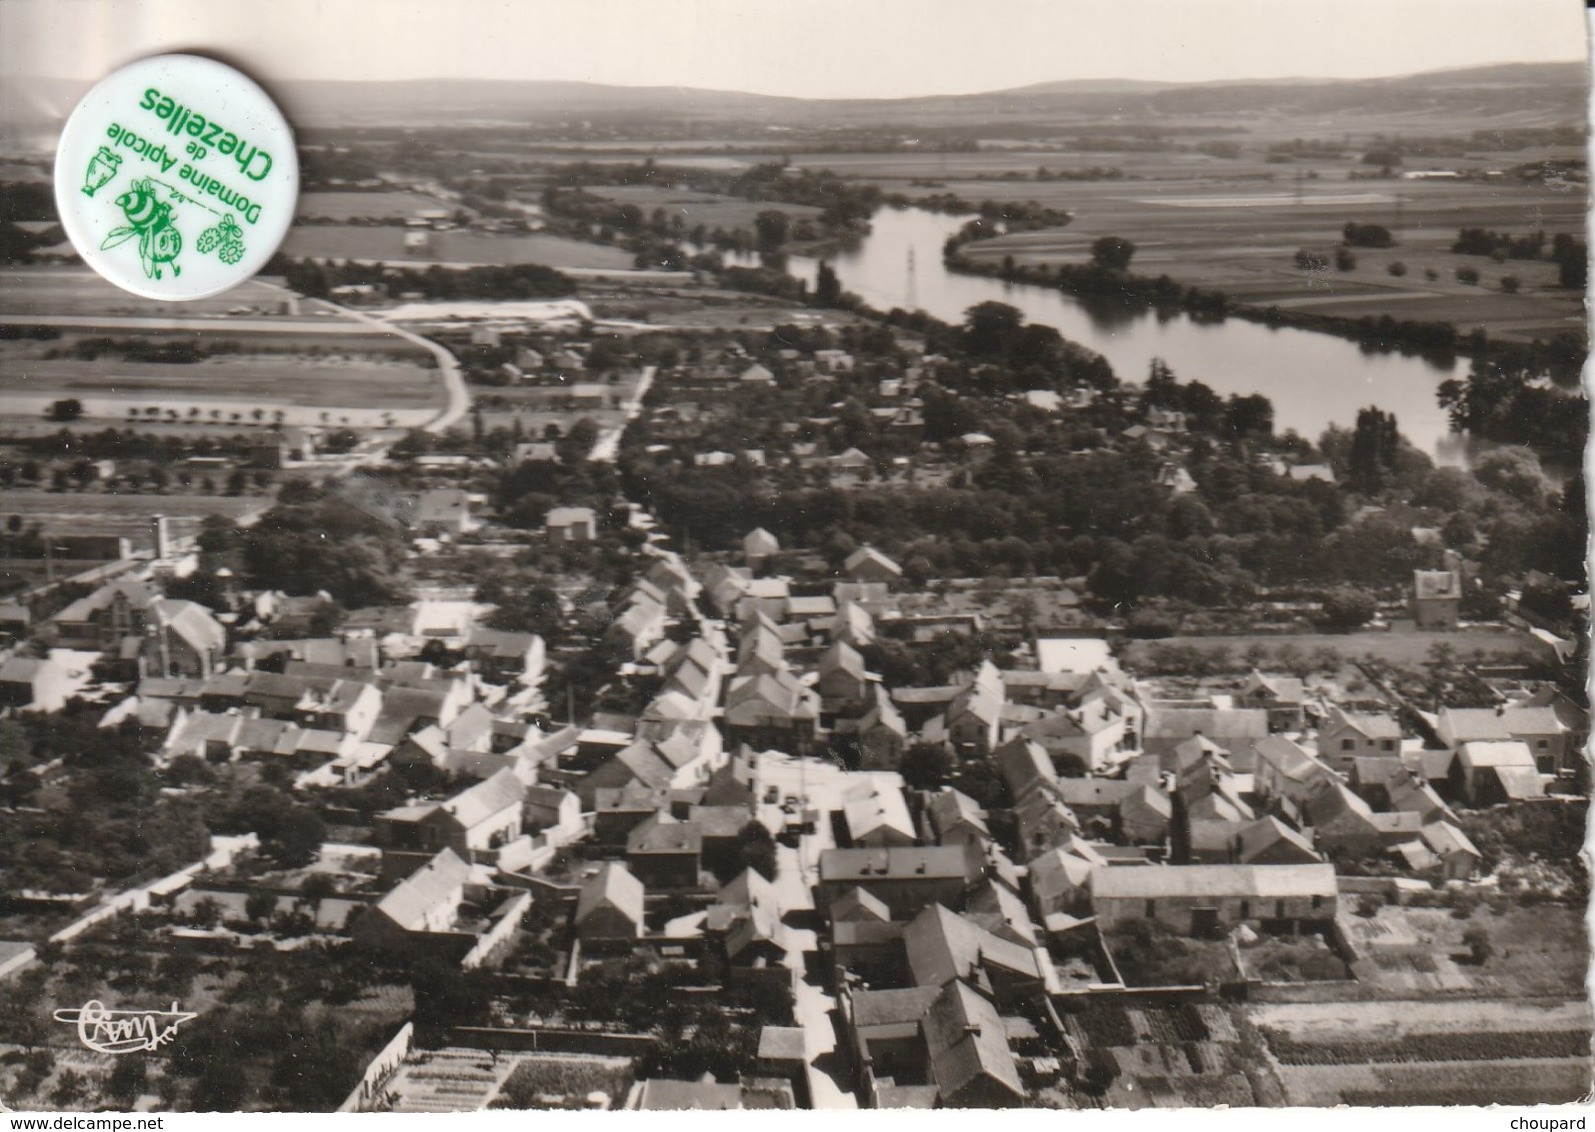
[[905, 879], [1345, 824], [974, 719], [425, 902], [1060, 881], [1346, 736], [1436, 600], [1282, 697], [1203, 900], [866, 564], [1286, 770], [571, 524], [878, 818], [504, 657], [610, 905], [971, 1063], [1079, 655], [478, 820], [1264, 841], [879, 735], [551, 809], [1128, 813], [758, 545], [943, 946], [665, 853], [956, 819], [841, 674], [37, 684], [1538, 728], [101, 619], [756, 374], [1456, 856], [771, 710], [442, 511], [1487, 773], [1236, 730]]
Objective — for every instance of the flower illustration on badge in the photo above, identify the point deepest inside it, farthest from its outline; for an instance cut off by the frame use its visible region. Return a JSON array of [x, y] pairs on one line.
[[102, 168], [150, 219], [227, 237]]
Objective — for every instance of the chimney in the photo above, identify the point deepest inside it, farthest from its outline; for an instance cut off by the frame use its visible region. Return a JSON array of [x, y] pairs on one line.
[[163, 537]]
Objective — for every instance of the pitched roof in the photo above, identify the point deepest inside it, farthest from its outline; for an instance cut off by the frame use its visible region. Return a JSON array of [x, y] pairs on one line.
[[665, 835], [1372, 725], [613, 886], [1213, 880], [878, 809], [895, 863], [949, 808], [858, 905], [868, 554], [1216, 724], [193, 623], [965, 1038], [1509, 753], [943, 945], [491, 796], [424, 890]]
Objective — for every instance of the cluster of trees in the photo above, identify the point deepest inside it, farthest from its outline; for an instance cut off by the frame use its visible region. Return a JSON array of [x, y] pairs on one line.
[[1205, 411], [1367, 235], [508, 281], [1502, 400], [320, 541], [111, 788]]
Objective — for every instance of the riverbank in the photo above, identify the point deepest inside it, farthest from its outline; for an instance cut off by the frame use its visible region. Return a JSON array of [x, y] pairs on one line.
[[1561, 358]]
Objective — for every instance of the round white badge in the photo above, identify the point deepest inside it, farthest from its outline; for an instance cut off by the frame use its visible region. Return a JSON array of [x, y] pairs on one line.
[[176, 177]]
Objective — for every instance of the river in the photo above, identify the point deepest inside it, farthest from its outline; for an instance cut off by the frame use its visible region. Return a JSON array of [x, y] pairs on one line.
[[1312, 379]]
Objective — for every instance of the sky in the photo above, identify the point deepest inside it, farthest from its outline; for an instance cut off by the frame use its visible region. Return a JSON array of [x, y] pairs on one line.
[[803, 48]]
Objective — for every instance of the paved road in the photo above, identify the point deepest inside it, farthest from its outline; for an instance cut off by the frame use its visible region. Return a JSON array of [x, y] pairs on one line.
[[459, 400], [607, 447]]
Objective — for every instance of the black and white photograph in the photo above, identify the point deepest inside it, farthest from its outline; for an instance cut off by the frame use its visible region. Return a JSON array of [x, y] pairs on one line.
[[655, 555]]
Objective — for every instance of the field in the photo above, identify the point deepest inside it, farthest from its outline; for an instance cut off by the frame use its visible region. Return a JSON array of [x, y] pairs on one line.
[[72, 291], [1242, 237], [339, 241], [125, 513], [1392, 647], [374, 206], [1429, 1052], [230, 380], [709, 209]]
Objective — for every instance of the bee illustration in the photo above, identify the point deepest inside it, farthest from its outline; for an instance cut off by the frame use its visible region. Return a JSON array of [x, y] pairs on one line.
[[150, 219]]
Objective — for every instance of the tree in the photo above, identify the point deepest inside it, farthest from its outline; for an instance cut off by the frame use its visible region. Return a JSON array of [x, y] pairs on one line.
[[990, 327], [1510, 284], [1397, 268], [827, 287], [1469, 275], [128, 1080], [771, 228], [66, 409], [1479, 945], [1346, 607], [1112, 253], [1345, 260], [1515, 472], [925, 766], [755, 849], [259, 906], [1374, 448]]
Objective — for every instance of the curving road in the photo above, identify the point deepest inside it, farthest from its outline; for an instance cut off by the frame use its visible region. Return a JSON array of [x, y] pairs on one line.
[[458, 401]]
